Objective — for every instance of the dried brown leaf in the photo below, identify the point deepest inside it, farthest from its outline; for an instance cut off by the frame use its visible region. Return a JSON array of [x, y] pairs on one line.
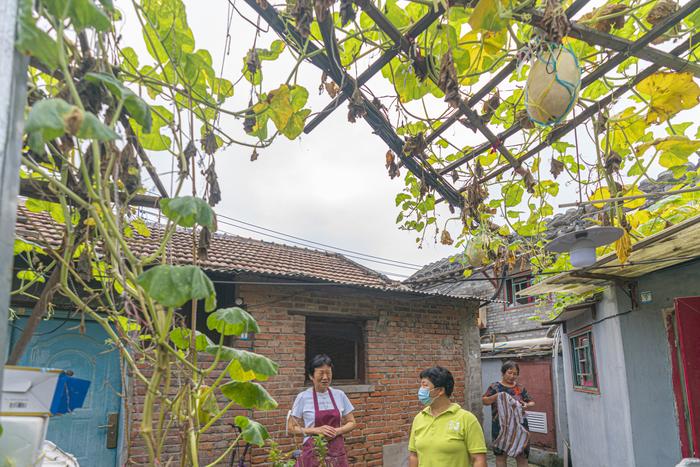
[[203, 243], [606, 17], [612, 162], [129, 170], [446, 238], [447, 80], [213, 188], [347, 12], [189, 153], [209, 143], [356, 106], [523, 118], [555, 22], [489, 107], [661, 10], [556, 167], [252, 61], [303, 15], [528, 178], [322, 8], [420, 67], [332, 89], [250, 120]]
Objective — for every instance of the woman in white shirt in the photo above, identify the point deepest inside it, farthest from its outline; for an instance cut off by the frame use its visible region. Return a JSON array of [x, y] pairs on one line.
[[322, 410]]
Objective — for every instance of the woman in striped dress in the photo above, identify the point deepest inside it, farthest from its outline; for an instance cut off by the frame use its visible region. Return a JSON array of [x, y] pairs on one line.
[[508, 384]]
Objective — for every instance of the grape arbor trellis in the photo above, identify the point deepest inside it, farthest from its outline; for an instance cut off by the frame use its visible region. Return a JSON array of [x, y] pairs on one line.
[[325, 56]]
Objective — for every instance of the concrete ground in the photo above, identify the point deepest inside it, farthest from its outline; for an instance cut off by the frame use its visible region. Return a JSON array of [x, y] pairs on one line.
[[491, 460]]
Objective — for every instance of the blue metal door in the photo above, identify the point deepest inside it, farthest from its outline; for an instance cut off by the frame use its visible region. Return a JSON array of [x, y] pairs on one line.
[[58, 343]]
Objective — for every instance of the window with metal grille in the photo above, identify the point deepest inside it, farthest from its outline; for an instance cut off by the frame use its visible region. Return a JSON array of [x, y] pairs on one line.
[[583, 362], [341, 340], [515, 285]]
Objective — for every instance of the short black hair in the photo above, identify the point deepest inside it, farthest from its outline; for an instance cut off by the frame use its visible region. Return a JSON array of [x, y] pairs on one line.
[[440, 377], [509, 365], [318, 361]]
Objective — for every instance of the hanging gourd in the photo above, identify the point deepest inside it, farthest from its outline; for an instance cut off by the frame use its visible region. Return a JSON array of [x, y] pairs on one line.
[[553, 84]]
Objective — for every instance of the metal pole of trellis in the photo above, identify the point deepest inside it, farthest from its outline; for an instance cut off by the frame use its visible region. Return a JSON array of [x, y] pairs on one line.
[[13, 76]]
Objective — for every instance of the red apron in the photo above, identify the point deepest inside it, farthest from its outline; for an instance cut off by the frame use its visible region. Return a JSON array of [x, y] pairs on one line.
[[336, 456]]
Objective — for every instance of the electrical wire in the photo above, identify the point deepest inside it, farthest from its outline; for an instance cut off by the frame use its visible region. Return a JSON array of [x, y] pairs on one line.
[[317, 243], [312, 244], [353, 256]]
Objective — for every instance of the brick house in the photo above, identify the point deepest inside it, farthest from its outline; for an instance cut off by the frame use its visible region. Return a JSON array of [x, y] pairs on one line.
[[380, 333]]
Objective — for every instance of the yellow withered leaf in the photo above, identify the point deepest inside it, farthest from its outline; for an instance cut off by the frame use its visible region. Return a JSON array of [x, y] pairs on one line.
[[669, 93], [623, 247], [600, 193]]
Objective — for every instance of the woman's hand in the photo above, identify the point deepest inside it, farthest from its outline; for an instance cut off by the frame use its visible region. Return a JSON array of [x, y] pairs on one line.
[[325, 430]]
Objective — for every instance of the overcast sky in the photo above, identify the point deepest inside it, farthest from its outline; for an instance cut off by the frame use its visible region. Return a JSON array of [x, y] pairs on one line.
[[330, 186]]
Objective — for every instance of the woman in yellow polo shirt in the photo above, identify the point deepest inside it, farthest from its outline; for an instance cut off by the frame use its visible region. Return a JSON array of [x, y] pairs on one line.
[[443, 434]]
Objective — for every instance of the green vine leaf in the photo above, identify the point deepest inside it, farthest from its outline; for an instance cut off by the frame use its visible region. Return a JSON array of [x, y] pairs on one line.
[[271, 54], [245, 366], [486, 16], [137, 107], [82, 13], [249, 395], [24, 246], [512, 194], [186, 211], [93, 128], [675, 150], [284, 106], [207, 406], [34, 41], [232, 322], [181, 339], [252, 431], [51, 118], [173, 286]]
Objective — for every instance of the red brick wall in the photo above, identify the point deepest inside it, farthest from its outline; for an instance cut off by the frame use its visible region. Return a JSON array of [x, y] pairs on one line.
[[410, 334]]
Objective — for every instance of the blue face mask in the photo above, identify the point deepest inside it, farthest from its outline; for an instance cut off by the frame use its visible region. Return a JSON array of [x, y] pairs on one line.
[[424, 396]]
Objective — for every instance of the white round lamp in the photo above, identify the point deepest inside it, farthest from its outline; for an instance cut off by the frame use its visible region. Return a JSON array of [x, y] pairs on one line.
[[581, 244]]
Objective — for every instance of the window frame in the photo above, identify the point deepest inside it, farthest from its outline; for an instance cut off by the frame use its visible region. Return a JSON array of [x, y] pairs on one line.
[[509, 290], [589, 349], [360, 347]]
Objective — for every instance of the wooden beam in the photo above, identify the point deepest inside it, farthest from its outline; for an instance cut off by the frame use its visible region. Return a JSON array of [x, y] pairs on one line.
[[480, 94], [633, 49], [347, 85], [599, 276], [493, 140], [400, 45], [618, 44], [597, 107]]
